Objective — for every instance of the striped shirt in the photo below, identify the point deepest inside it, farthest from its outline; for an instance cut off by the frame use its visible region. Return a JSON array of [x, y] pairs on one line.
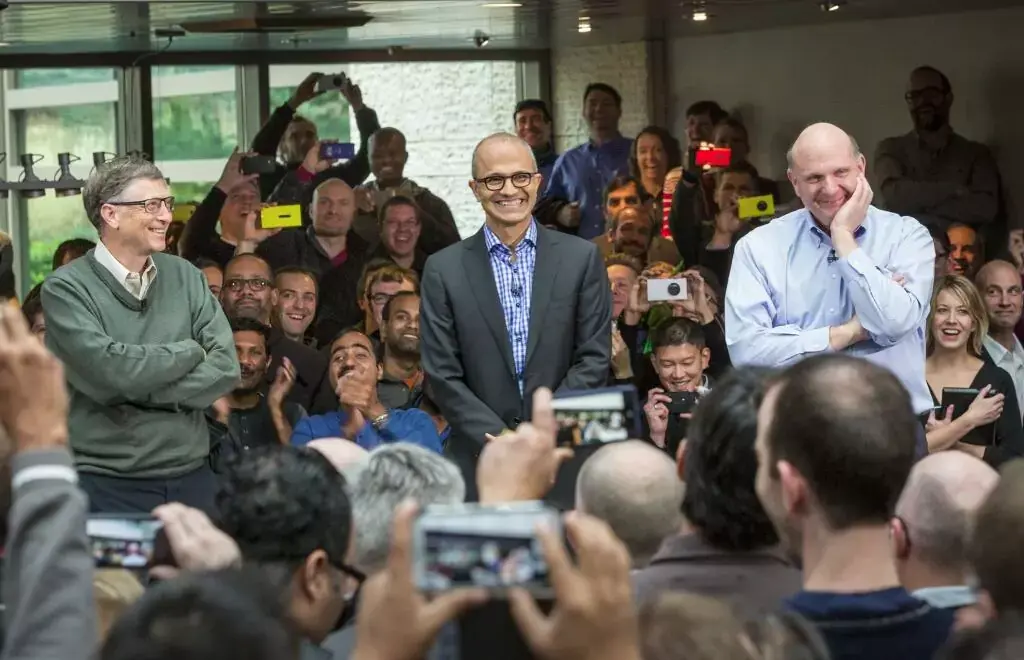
[[513, 277]]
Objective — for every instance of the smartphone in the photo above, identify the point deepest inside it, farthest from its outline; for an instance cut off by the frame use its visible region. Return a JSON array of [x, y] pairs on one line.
[[122, 540], [494, 547], [183, 212], [259, 165], [961, 399], [756, 207], [664, 290], [279, 217], [682, 402], [588, 417], [714, 157], [337, 151], [331, 81]]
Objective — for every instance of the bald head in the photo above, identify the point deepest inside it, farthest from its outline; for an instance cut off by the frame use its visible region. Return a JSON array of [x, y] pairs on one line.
[[822, 137], [994, 270], [343, 454], [634, 488], [501, 146], [938, 505]]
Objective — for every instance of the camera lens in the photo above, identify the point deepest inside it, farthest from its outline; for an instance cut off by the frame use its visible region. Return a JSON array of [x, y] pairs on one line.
[[673, 289], [338, 81], [762, 206]]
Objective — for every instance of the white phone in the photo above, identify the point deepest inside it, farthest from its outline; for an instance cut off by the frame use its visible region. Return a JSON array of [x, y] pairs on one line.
[[494, 547], [667, 290]]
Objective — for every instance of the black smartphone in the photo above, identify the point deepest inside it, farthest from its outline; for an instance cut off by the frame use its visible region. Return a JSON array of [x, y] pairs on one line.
[[961, 399], [259, 165], [123, 540], [587, 417], [337, 151], [682, 402]]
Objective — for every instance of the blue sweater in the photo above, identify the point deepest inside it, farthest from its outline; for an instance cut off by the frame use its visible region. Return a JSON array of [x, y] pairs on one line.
[[413, 426], [878, 625]]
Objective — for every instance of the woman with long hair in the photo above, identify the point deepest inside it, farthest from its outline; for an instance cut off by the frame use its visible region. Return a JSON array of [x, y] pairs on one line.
[[957, 325]]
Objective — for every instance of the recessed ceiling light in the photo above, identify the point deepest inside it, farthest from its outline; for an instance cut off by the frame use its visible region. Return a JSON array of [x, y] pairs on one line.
[[700, 15], [831, 5], [584, 25]]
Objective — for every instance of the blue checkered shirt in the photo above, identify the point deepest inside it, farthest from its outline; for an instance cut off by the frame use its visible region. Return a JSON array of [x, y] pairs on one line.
[[513, 277]]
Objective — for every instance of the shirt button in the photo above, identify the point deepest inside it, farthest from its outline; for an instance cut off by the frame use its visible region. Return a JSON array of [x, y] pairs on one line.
[[518, 305]]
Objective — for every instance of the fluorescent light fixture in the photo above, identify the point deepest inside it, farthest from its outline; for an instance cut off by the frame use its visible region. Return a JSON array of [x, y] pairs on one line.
[[502, 5], [584, 25], [700, 15]]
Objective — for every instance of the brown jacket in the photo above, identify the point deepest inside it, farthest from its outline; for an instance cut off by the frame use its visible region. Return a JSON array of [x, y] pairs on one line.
[[754, 582], [662, 249]]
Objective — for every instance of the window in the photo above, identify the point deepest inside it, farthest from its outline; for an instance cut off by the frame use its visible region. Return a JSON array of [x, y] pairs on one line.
[[330, 111], [76, 113], [195, 125]]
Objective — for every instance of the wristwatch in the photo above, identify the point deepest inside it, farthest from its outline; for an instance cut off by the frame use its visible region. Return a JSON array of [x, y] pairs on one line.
[[380, 421]]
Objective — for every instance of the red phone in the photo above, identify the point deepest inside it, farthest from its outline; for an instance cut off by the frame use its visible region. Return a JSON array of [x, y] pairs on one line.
[[714, 157]]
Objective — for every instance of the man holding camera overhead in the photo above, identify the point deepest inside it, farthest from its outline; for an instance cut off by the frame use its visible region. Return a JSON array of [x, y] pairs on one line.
[[837, 275]]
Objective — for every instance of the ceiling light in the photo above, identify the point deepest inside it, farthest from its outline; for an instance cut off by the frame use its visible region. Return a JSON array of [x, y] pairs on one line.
[[481, 39], [831, 5], [67, 184], [584, 25], [30, 178], [502, 5], [700, 12]]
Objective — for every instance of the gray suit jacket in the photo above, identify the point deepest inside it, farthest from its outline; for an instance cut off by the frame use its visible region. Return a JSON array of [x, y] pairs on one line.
[[465, 347]]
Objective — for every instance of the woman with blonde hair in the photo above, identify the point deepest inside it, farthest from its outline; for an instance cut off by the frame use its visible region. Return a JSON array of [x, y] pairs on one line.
[[114, 590], [957, 325]]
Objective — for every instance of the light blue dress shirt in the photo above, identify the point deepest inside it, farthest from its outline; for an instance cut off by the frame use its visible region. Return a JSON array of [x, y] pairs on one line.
[[786, 288], [582, 173], [513, 277]]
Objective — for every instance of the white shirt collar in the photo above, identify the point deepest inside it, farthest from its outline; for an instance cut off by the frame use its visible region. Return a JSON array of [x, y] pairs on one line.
[[998, 352], [120, 273]]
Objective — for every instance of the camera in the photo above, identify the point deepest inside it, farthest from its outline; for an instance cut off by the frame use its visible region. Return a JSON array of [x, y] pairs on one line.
[[666, 290], [755, 207], [331, 81]]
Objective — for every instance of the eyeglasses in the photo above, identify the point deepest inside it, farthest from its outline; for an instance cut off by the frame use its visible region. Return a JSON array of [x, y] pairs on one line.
[[380, 298], [350, 571], [256, 284], [152, 206], [497, 182]]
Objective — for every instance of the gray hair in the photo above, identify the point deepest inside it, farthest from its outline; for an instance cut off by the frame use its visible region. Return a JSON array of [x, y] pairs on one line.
[[109, 180], [502, 137], [390, 474], [634, 488], [938, 505]]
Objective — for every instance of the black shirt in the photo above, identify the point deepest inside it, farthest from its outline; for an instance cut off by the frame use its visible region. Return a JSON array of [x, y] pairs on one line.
[[254, 427]]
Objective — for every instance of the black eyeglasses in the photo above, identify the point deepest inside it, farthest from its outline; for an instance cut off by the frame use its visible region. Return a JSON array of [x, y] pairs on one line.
[[350, 571], [152, 206], [497, 182], [257, 284]]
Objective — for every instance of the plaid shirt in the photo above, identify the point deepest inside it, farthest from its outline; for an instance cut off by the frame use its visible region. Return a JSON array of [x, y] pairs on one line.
[[513, 277]]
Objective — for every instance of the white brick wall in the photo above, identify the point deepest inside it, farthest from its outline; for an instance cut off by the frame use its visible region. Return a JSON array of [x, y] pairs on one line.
[[623, 66], [444, 109]]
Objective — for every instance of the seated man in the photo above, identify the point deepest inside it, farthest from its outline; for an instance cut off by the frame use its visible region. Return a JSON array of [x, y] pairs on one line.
[[625, 192], [680, 356], [246, 417], [146, 349], [381, 281], [401, 385], [362, 418]]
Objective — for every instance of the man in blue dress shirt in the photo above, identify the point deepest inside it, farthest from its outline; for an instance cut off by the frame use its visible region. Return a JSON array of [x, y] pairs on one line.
[[581, 174], [836, 275]]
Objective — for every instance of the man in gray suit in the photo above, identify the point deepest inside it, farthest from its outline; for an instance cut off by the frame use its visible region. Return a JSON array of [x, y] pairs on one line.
[[510, 309]]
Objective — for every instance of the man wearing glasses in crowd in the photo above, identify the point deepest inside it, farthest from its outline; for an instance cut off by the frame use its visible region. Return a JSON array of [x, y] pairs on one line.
[[145, 346], [510, 309]]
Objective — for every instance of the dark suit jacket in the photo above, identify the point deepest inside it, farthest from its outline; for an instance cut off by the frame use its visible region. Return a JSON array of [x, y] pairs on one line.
[[465, 348]]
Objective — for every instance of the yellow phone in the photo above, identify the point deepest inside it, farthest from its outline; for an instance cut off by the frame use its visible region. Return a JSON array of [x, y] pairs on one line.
[[281, 217], [756, 207], [183, 212]]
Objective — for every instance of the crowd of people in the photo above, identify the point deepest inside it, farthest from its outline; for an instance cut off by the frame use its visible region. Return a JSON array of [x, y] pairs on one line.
[[831, 399]]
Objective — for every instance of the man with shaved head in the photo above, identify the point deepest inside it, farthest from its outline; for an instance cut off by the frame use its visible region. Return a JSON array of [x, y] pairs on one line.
[[836, 275], [388, 157], [932, 526], [932, 173], [1000, 285], [633, 487], [327, 248], [513, 308]]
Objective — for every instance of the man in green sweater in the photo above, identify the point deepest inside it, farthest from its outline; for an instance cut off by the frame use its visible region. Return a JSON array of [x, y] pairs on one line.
[[145, 346]]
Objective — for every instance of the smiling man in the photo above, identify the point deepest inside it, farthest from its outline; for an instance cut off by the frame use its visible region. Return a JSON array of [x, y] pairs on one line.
[[837, 275], [297, 294], [400, 227], [145, 348], [510, 309]]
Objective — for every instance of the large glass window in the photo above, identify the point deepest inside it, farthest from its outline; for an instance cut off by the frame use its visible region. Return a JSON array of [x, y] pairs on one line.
[[330, 112], [195, 125], [78, 116]]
